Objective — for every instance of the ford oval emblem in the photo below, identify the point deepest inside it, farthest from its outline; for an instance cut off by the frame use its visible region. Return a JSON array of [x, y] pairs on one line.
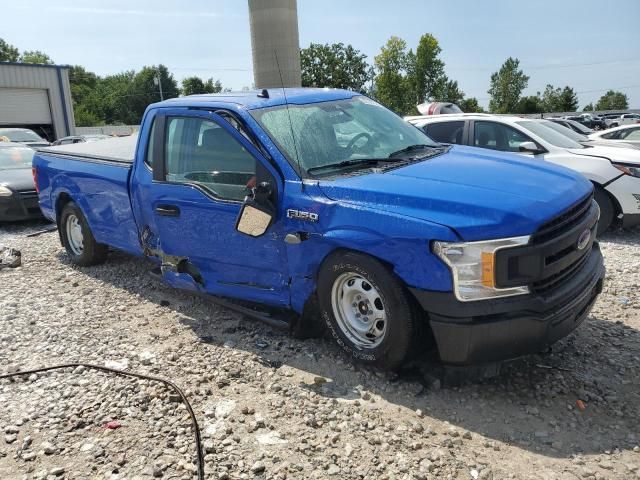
[[583, 239]]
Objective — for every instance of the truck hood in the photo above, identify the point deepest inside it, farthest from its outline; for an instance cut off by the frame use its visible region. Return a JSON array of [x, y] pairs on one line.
[[616, 154], [479, 194]]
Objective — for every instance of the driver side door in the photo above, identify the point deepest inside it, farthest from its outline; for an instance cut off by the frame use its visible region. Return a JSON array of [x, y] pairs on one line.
[[198, 170]]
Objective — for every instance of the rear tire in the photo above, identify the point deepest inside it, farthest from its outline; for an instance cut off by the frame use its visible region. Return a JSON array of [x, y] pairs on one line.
[[81, 246], [607, 210], [368, 310]]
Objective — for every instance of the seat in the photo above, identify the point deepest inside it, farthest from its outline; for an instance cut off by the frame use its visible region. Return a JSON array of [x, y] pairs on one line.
[[318, 143]]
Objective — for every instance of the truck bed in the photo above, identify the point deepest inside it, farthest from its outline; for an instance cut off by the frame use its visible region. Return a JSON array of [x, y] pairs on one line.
[[117, 149], [94, 175]]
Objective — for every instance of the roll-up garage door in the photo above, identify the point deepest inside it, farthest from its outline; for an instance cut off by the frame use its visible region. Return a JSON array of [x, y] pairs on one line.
[[23, 106]]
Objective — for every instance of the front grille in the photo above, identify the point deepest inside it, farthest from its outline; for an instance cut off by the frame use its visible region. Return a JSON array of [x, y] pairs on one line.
[[28, 194], [548, 284], [563, 222], [552, 257]]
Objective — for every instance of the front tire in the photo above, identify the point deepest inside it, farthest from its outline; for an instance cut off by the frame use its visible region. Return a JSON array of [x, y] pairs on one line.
[[367, 310], [76, 236], [607, 210]]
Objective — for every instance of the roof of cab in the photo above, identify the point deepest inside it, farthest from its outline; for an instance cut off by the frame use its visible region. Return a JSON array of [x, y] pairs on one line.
[[250, 100]]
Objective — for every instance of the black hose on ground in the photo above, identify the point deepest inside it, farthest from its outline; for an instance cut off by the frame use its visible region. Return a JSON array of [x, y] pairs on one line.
[[172, 385]]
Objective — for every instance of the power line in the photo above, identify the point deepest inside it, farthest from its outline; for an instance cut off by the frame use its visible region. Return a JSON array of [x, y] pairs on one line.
[[550, 66]]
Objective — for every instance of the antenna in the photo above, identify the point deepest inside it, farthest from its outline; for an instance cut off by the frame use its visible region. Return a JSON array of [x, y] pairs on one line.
[[286, 103]]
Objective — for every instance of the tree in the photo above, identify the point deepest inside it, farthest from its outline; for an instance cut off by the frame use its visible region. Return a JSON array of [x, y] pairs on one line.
[[429, 80], [450, 92], [392, 84], [588, 107], [195, 85], [568, 100], [36, 56], [470, 105], [83, 84], [530, 104], [613, 101], [8, 53], [506, 87], [335, 65]]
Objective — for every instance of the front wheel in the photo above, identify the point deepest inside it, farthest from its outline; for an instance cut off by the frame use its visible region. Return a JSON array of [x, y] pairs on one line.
[[77, 238], [367, 310], [607, 210]]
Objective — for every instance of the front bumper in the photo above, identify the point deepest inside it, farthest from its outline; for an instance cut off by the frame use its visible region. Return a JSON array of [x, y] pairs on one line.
[[500, 329], [19, 206]]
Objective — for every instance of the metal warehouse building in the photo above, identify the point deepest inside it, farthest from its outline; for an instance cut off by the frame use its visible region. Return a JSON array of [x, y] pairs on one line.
[[36, 97]]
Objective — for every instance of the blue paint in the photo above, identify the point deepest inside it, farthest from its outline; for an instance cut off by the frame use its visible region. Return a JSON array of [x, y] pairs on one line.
[[465, 194]]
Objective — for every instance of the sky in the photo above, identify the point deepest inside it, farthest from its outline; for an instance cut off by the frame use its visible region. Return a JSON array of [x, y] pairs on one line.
[[590, 45]]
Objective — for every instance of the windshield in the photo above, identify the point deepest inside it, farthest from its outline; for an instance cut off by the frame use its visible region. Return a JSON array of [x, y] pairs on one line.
[[579, 126], [548, 135], [327, 133], [15, 157], [566, 131], [20, 135]]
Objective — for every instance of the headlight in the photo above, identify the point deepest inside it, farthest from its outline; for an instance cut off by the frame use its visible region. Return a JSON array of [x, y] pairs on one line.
[[5, 192], [473, 267], [628, 169]]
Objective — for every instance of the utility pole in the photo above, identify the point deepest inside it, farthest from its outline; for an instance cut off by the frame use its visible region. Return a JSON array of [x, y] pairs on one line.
[[156, 80]]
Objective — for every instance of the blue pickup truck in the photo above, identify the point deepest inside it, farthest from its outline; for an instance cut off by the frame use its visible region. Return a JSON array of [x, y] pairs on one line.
[[325, 206]]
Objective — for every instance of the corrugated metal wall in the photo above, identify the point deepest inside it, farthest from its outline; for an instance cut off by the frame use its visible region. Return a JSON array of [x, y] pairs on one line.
[[52, 78]]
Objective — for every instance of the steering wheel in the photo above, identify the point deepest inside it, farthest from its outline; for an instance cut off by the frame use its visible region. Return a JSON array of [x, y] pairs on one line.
[[353, 141]]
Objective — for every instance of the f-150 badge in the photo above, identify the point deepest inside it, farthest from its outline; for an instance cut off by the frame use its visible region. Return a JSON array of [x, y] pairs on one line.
[[300, 215]]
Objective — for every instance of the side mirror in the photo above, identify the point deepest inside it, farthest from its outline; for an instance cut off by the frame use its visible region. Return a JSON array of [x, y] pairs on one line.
[[529, 147], [256, 213]]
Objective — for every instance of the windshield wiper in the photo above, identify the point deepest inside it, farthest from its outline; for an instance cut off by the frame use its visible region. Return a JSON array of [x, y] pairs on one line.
[[412, 148], [365, 162]]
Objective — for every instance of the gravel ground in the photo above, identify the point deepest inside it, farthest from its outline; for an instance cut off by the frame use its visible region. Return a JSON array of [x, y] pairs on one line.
[[270, 406]]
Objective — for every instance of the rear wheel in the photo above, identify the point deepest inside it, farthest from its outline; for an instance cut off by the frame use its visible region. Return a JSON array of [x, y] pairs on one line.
[[607, 210], [367, 310], [77, 238]]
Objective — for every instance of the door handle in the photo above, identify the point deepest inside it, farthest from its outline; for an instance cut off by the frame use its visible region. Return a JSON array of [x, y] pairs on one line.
[[168, 210]]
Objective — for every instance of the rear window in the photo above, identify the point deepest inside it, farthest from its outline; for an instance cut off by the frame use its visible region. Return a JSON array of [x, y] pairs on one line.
[[445, 132], [20, 135], [15, 157]]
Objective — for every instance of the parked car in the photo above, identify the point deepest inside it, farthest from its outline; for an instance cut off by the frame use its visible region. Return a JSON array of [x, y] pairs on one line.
[[256, 197], [24, 136], [611, 118], [584, 139], [627, 134], [573, 125], [79, 139], [626, 119], [18, 196], [588, 120], [615, 172]]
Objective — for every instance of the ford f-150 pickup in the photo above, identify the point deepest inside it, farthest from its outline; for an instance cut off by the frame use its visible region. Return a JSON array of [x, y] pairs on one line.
[[326, 205]]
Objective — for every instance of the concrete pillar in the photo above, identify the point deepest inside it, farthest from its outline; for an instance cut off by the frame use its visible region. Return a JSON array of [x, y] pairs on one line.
[[274, 29]]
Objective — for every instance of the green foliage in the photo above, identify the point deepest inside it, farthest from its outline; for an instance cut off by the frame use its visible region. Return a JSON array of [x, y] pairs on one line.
[[428, 75], [450, 92], [335, 65], [36, 56], [8, 53], [530, 104], [196, 86], [470, 105], [559, 100], [506, 87], [613, 101], [588, 107], [393, 84]]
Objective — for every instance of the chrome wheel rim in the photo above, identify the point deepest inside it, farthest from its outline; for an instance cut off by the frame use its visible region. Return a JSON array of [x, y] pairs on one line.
[[74, 235], [359, 310]]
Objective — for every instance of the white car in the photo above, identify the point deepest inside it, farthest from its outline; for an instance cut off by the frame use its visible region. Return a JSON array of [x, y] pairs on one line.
[[615, 172], [625, 119], [625, 134]]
